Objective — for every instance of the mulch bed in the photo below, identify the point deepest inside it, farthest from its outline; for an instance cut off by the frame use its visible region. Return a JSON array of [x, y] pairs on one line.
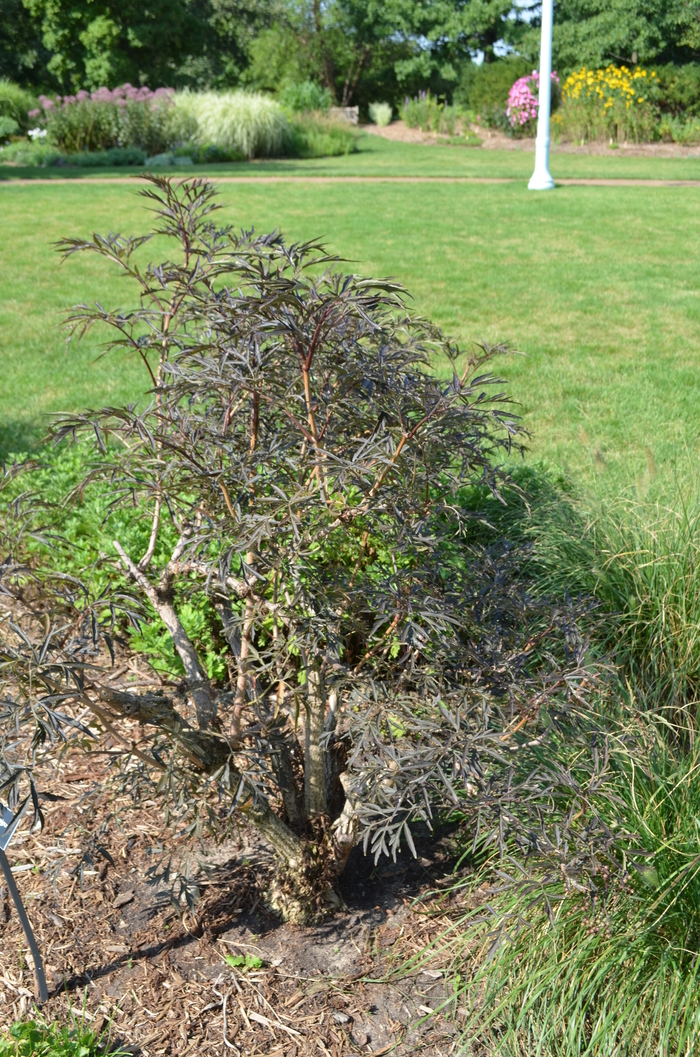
[[151, 973]]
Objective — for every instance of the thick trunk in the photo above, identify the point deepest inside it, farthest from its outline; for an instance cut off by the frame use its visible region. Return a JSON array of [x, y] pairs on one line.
[[352, 79], [281, 760], [286, 844], [345, 829], [328, 71], [308, 866], [315, 800]]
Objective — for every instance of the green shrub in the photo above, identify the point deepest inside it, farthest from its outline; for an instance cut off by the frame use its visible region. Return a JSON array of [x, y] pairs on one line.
[[124, 117], [380, 113], [305, 96], [24, 152], [676, 130], [117, 157], [168, 158], [316, 136], [425, 112], [484, 89], [204, 155], [16, 103], [248, 123], [679, 90], [87, 529], [8, 127]]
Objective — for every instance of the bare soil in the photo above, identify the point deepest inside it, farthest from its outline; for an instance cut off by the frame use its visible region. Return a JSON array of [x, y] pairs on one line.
[[151, 973], [492, 139]]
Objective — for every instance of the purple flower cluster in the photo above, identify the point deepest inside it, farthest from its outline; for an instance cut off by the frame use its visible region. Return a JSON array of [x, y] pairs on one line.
[[121, 96], [523, 99]]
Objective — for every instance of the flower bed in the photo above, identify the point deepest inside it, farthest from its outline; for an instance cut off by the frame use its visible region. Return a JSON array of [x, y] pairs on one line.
[[103, 119], [615, 103]]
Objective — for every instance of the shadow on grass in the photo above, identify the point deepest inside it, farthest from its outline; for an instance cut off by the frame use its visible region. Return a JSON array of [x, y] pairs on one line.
[[16, 437]]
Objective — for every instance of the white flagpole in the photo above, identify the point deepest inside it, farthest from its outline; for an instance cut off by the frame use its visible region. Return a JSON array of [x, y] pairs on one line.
[[541, 179]]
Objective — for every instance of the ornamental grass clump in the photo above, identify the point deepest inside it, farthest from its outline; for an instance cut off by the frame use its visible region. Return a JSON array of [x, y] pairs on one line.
[[380, 113], [544, 968], [314, 135], [616, 104], [639, 557], [250, 123], [299, 467], [103, 119]]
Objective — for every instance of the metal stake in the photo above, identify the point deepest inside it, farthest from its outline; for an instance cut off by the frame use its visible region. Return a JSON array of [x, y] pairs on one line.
[[8, 826]]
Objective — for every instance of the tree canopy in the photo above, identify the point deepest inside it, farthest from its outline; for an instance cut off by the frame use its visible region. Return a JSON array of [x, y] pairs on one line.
[[89, 43], [598, 32], [360, 50], [350, 46]]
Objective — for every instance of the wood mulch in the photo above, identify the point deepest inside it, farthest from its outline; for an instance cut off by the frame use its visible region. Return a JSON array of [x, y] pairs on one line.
[[151, 974]]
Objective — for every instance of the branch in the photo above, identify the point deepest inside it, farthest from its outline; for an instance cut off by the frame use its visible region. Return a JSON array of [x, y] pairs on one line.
[[195, 674], [206, 750], [145, 561]]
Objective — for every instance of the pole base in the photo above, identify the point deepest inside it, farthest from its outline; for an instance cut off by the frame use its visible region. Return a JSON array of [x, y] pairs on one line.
[[541, 181]]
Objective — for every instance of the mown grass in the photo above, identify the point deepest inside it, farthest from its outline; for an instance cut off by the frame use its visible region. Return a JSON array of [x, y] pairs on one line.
[[596, 285], [381, 157]]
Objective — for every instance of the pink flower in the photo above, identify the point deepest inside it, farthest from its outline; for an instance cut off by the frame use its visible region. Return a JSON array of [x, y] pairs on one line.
[[523, 103], [34, 113]]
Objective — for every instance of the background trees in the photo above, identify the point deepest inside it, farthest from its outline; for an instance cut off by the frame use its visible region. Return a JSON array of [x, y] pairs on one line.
[[597, 32], [357, 49], [84, 44]]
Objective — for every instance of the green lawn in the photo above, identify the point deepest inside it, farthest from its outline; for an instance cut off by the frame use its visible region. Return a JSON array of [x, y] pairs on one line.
[[598, 286], [380, 157]]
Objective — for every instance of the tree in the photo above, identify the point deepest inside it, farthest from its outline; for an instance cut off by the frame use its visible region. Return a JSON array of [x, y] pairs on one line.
[[89, 43], [23, 57], [353, 46], [597, 32], [301, 470]]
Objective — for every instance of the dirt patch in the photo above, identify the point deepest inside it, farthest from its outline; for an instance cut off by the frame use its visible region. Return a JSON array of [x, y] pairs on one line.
[[492, 139], [399, 132], [153, 972]]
